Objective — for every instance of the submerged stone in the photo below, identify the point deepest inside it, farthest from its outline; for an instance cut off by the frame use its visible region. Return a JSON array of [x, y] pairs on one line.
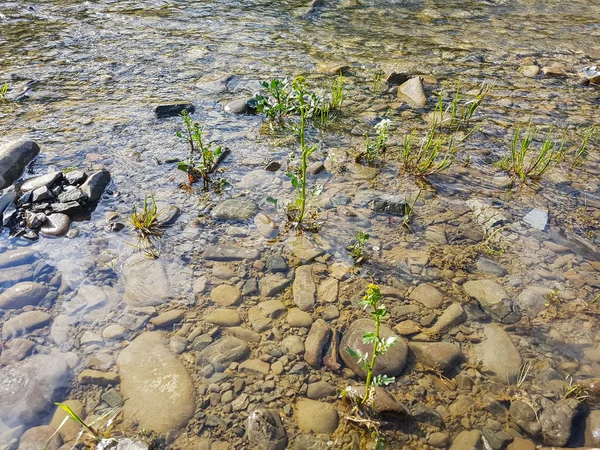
[[173, 109]]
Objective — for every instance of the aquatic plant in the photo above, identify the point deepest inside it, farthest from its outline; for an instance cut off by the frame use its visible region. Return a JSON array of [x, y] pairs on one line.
[[378, 82], [434, 154], [203, 166], [459, 112], [375, 147], [575, 390], [581, 151], [357, 249], [3, 91], [146, 223], [527, 164], [409, 209], [371, 300]]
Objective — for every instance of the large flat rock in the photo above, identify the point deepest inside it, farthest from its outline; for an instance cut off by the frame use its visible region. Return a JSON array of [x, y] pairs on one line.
[[146, 282], [500, 357], [158, 390]]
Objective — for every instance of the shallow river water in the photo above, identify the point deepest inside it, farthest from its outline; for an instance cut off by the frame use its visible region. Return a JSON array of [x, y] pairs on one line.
[[493, 285]]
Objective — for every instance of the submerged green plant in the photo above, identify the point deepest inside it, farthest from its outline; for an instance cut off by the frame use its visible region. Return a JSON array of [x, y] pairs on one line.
[[146, 223], [203, 157], [375, 147], [378, 81], [527, 164], [409, 209], [459, 112], [357, 250], [581, 152], [372, 300], [435, 154]]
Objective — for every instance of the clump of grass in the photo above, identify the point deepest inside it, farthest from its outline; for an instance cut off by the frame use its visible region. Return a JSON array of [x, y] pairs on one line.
[[203, 156], [378, 82], [374, 148], [527, 164], [581, 151], [575, 390], [3, 91], [409, 209], [459, 112], [146, 223], [435, 153], [357, 249]]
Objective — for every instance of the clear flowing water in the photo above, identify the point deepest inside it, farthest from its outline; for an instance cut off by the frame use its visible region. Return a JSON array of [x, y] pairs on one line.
[[91, 73]]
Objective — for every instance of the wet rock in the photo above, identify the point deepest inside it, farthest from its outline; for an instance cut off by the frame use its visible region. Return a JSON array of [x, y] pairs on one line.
[[29, 387], [168, 318], [304, 249], [592, 428], [56, 224], [225, 295], [241, 106], [75, 177], [95, 184], [229, 253], [427, 295], [265, 430], [299, 318], [97, 377], [487, 215], [390, 364], [453, 315], [532, 300], [224, 317], [494, 300], [499, 355], [276, 264], [159, 393], [130, 444], [486, 265], [17, 257], [34, 220], [16, 350], [250, 287], [255, 366], [146, 282], [553, 71], [315, 416], [47, 180], [383, 401], [271, 285], [556, 420], [304, 288], [265, 226], [525, 417], [537, 218], [388, 204], [114, 332], [173, 109], [223, 352], [14, 157], [315, 343], [7, 199], [36, 438], [293, 345], [234, 209], [407, 327], [272, 309], [413, 93], [24, 323], [90, 301], [530, 71], [396, 79], [328, 290], [319, 390], [306, 442], [72, 195], [244, 334], [14, 275], [23, 294], [70, 208], [41, 194], [467, 440], [442, 356], [497, 439], [70, 428], [521, 444], [438, 440]]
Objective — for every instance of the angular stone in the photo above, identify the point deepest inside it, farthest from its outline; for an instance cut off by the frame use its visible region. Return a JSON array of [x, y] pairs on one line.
[[23, 294], [173, 109], [24, 323], [41, 194], [316, 417], [47, 180], [276, 263], [66, 208], [556, 420], [413, 93], [390, 364], [388, 204], [223, 352], [254, 366], [271, 285], [75, 177], [407, 327], [532, 300], [146, 282], [14, 157], [234, 209], [494, 300], [56, 224], [89, 376], [500, 357], [16, 350], [244, 334], [272, 309], [241, 106], [304, 288], [328, 290], [427, 295], [223, 317], [265, 226], [265, 430], [453, 315], [442, 356], [72, 195], [226, 296], [159, 393], [317, 339], [229, 253], [34, 220], [95, 184]]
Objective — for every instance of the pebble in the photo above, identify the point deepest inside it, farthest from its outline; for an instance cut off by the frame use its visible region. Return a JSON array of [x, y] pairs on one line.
[[304, 288], [427, 295], [298, 318], [317, 339], [224, 317], [317, 417], [24, 323], [168, 318]]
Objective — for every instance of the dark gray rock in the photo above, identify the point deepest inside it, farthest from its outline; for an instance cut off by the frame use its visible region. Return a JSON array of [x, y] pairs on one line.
[[390, 364], [265, 430], [229, 253], [241, 106], [14, 157], [173, 109], [56, 224], [72, 195], [497, 439], [75, 177], [250, 287], [276, 263], [7, 199], [47, 180], [28, 388], [486, 265], [223, 352], [425, 414], [34, 220], [396, 79], [556, 420], [41, 194], [389, 204], [66, 208], [95, 184]]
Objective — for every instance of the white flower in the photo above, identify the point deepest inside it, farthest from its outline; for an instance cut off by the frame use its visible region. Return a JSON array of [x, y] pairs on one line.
[[383, 124]]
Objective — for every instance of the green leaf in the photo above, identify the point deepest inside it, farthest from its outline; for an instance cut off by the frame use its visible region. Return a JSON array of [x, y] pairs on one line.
[[272, 200], [293, 179], [354, 353], [382, 380], [183, 166], [178, 134], [369, 338]]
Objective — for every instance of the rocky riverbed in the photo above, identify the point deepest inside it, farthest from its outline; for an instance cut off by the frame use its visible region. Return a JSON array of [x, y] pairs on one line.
[[234, 337]]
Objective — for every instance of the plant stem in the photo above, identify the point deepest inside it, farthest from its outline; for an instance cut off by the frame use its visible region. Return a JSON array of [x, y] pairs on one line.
[[304, 156], [373, 359]]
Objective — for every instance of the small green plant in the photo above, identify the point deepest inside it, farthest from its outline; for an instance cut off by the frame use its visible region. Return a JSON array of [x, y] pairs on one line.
[[67, 170], [526, 164], [581, 152], [575, 390], [3, 91], [434, 154], [409, 210], [146, 224], [375, 147], [278, 103], [203, 157], [458, 114], [378, 81], [357, 250], [372, 300]]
